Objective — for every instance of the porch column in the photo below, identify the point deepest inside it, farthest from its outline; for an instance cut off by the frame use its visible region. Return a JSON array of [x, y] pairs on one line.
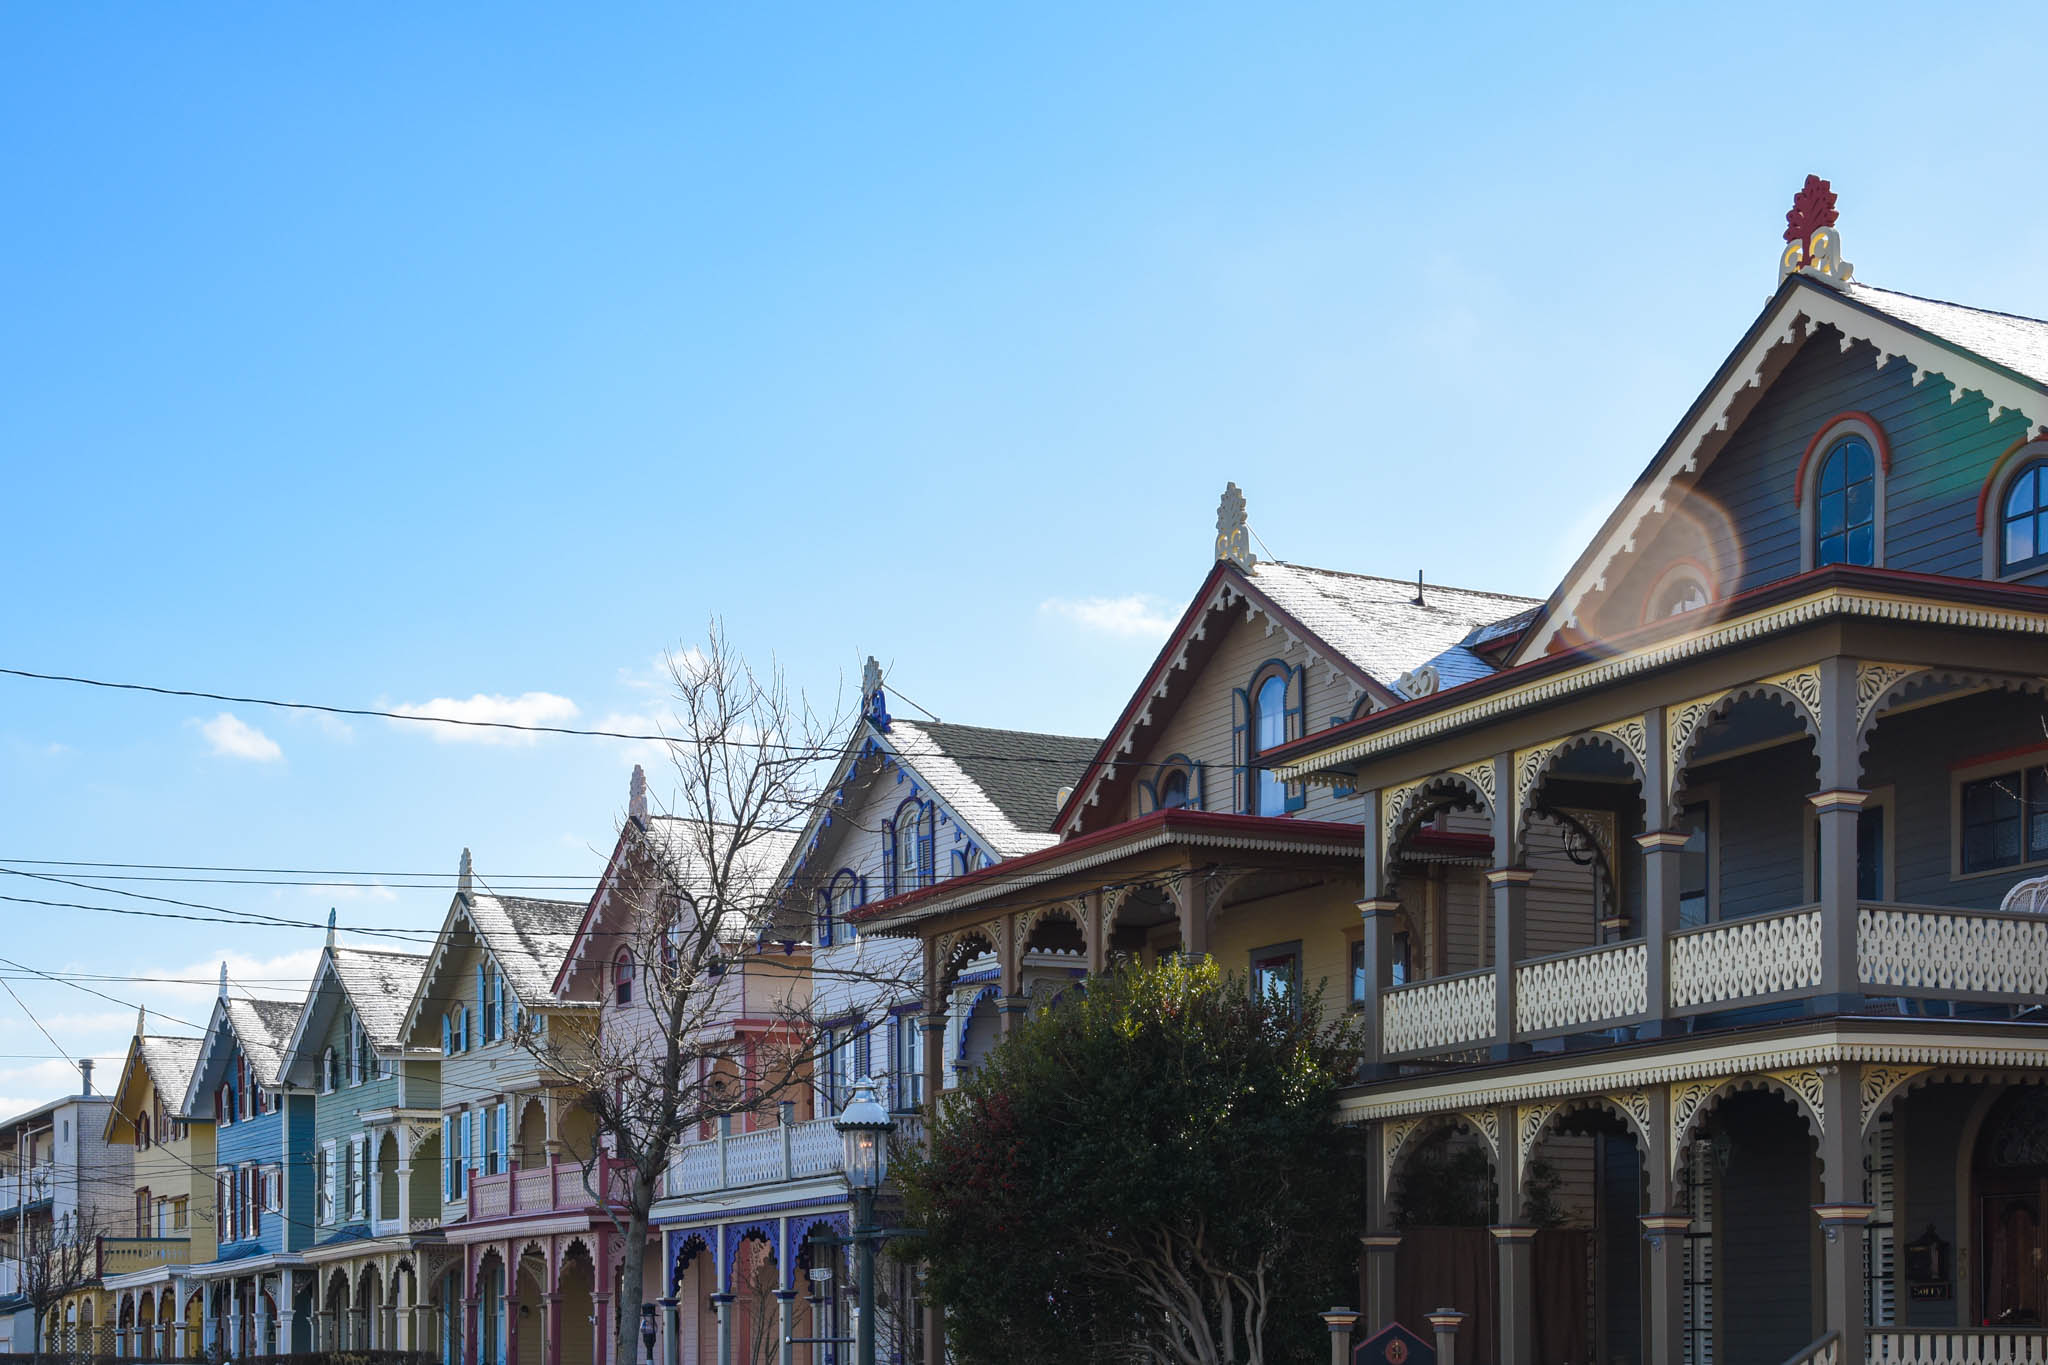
[[785, 1318], [1191, 907], [1664, 1228], [1663, 851], [1838, 805], [1843, 1211], [721, 1303], [1011, 1011], [469, 1316], [404, 1189], [287, 1299], [1009, 961], [1380, 1241], [1510, 935], [1095, 936], [933, 1026], [1379, 957], [1512, 1238], [551, 1304], [671, 1329], [601, 1328]]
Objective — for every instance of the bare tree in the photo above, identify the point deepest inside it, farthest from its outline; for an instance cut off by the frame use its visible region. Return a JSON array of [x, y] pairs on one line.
[[56, 1259], [710, 938]]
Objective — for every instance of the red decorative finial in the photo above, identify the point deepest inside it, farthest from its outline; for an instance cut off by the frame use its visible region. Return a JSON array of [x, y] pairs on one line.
[[1813, 208]]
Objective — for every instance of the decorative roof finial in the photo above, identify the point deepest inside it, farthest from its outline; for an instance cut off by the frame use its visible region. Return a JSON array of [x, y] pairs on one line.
[[636, 795], [1233, 539], [874, 702], [223, 980], [330, 926], [1813, 246], [140, 1021], [462, 877]]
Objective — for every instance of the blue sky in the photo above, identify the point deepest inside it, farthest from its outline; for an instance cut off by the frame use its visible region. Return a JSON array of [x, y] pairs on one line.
[[387, 356]]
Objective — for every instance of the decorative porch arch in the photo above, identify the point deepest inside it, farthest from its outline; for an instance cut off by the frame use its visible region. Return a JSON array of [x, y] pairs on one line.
[[689, 1245], [1626, 738], [1534, 1122], [800, 1230], [1402, 1138], [951, 952], [1799, 689], [1407, 805], [1693, 1101], [1881, 687], [736, 1234]]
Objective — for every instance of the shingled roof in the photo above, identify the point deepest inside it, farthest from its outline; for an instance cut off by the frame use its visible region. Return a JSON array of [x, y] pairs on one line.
[[528, 939], [1004, 783], [170, 1062], [1378, 623], [380, 985], [263, 1027], [2016, 343]]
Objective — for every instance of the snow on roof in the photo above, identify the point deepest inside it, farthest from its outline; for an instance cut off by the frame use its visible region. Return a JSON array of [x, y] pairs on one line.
[[1003, 783], [1376, 623], [170, 1063], [527, 938], [380, 985], [2019, 344], [263, 1027]]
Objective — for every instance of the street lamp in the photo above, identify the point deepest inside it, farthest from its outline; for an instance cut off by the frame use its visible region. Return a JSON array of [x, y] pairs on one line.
[[864, 1126]]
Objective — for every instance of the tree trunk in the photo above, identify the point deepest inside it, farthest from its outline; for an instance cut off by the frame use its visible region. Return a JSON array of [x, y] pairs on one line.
[[632, 1265]]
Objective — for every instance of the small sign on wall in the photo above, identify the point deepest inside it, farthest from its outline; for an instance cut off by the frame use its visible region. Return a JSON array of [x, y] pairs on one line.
[[1393, 1345]]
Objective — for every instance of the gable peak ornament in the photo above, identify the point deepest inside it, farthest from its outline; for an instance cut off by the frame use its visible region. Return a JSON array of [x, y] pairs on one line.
[[874, 702], [1813, 245], [1233, 538], [636, 795], [463, 875]]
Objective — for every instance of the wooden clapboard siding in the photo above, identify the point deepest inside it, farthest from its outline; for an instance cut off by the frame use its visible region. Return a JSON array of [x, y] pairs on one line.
[[1561, 916], [1759, 814], [1941, 454], [1766, 1229], [1201, 726], [1322, 919]]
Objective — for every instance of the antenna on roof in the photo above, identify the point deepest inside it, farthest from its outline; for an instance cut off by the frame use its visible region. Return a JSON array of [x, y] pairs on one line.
[[330, 926], [463, 877], [1418, 588]]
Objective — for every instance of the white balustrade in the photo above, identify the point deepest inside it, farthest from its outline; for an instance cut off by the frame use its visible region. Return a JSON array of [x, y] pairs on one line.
[[1744, 959], [1434, 1016], [1951, 952], [1598, 985], [798, 1152], [1958, 1348]]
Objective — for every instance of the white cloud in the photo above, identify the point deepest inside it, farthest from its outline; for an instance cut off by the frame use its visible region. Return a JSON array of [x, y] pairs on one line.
[[528, 708], [371, 891], [284, 977], [232, 737], [1133, 617]]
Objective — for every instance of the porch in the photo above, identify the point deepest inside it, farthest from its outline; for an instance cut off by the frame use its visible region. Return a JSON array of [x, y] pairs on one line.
[[1802, 1195]]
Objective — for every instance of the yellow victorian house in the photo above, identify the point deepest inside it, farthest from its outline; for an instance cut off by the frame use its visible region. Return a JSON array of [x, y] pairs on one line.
[[155, 1310]]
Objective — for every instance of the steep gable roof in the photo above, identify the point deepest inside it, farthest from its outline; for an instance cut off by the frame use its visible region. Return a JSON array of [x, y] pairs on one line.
[[167, 1063], [1370, 630], [378, 985], [1999, 356], [527, 938], [170, 1063]]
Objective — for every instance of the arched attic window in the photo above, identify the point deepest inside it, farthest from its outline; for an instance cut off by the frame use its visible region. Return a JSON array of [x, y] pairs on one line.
[[1267, 715], [622, 977], [1841, 495], [2021, 528], [327, 1071], [1683, 586]]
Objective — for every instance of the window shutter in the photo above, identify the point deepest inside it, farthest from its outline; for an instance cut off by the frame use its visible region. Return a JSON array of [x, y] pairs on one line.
[[327, 1193], [258, 1180], [504, 1136], [462, 1016], [1148, 798], [447, 1157], [927, 823], [1240, 750], [889, 852], [1297, 723], [445, 1049], [1198, 786]]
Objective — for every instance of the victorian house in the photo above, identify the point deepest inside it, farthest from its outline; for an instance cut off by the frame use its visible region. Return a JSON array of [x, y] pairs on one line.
[[256, 1297], [375, 1151], [1177, 836], [682, 932], [146, 1261], [514, 1277], [755, 1208], [1761, 1078]]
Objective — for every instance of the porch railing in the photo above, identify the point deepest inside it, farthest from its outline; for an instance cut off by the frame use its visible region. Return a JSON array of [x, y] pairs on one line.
[[122, 1255], [1826, 1351], [1746, 960], [1440, 1015], [1953, 954], [792, 1151], [1606, 985], [555, 1187], [1975, 1346]]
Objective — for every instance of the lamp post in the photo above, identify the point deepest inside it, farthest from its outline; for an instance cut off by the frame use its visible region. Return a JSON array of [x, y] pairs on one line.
[[864, 1126]]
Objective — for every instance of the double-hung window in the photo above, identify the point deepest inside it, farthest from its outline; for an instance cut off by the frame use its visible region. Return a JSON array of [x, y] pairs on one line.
[[1276, 973], [2004, 819], [907, 1062]]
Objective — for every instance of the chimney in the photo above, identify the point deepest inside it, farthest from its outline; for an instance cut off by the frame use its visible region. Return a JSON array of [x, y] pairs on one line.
[[85, 1075]]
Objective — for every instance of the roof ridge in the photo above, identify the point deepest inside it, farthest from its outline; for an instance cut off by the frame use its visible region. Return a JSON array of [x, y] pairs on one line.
[[1948, 303], [1402, 582], [991, 729]]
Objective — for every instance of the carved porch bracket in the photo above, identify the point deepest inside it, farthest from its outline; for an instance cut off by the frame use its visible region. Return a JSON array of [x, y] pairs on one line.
[[1879, 1084]]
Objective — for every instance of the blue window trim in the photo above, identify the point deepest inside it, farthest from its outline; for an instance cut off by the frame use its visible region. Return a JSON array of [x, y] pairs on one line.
[[1244, 733]]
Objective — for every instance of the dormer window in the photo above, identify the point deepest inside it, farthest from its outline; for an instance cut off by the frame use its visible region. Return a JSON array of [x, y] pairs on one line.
[[911, 854], [622, 977]]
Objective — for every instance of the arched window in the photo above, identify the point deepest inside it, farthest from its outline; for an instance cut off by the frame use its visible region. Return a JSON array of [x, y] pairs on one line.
[[912, 860], [622, 977], [1845, 505], [846, 898], [1682, 587], [1269, 714], [672, 929], [2023, 519], [1173, 789], [327, 1066]]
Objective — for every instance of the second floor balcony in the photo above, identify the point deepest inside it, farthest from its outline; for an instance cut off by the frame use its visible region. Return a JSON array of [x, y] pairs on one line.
[[787, 1152], [556, 1187], [126, 1255]]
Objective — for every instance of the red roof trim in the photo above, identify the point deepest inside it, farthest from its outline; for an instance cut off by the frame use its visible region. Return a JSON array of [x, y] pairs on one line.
[[1345, 837], [1973, 591], [604, 883]]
